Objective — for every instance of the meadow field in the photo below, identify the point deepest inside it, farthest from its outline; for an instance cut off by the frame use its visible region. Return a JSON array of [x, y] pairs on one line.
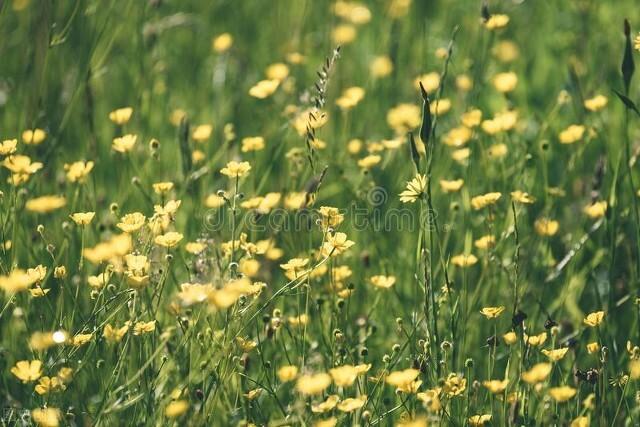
[[319, 213]]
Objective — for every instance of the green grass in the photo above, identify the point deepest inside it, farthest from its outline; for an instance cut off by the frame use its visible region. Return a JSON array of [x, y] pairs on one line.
[[65, 66]]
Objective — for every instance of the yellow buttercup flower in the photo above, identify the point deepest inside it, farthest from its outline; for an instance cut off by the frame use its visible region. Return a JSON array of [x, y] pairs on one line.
[[384, 282], [537, 374], [344, 376], [522, 197], [369, 161], [45, 204], [19, 164], [381, 66], [33, 136], [402, 379], [27, 371], [510, 338], [168, 240], [121, 116], [202, 132], [236, 169], [351, 404], [555, 355], [82, 218], [593, 347], [454, 385], [562, 394], [46, 417], [404, 117], [496, 386], [264, 88], [485, 242], [492, 312], [596, 103], [287, 373], [254, 143], [222, 42], [327, 405], [48, 385], [546, 226], [505, 82], [484, 200], [496, 22], [572, 134], [535, 340], [343, 34], [114, 335], [313, 384], [78, 171], [457, 136], [596, 209], [131, 222], [451, 186], [124, 144], [479, 420], [176, 408], [464, 260], [8, 146], [16, 281], [141, 328], [594, 319]]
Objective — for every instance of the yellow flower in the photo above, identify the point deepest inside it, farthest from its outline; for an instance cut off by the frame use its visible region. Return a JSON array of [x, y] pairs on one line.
[[537, 374], [162, 187], [121, 116], [496, 386], [125, 143], [278, 71], [82, 218], [479, 420], [78, 171], [555, 355], [43, 340], [49, 384], [404, 117], [350, 97], [522, 197], [264, 88], [596, 209], [594, 319], [384, 282], [485, 242], [60, 272], [572, 134], [46, 417], [451, 186], [464, 260], [636, 42], [344, 376], [510, 338], [492, 312], [114, 335], [414, 190], [141, 328], [431, 399], [634, 369], [505, 82], [214, 201], [381, 66], [482, 201], [45, 204], [313, 384], [454, 385], [287, 373], [80, 339], [596, 103], [496, 22], [562, 394], [497, 151], [27, 371], [168, 240], [331, 217], [369, 161], [16, 281], [327, 405], [402, 380], [343, 34], [236, 169], [351, 404], [546, 226], [535, 340], [457, 136], [471, 118], [131, 222], [201, 133], [430, 81], [593, 347], [175, 408], [33, 137], [580, 422], [254, 143], [8, 146], [440, 106], [336, 244], [222, 42]]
